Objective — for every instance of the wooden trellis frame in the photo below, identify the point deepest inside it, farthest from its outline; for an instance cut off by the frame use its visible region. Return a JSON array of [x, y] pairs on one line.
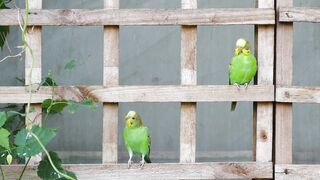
[[188, 93], [286, 94]]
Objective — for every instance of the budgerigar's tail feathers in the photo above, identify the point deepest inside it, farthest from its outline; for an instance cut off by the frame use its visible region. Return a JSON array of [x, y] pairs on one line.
[[233, 106], [147, 159]]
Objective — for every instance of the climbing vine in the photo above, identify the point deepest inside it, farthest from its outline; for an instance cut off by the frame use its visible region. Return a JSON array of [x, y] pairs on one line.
[[20, 140]]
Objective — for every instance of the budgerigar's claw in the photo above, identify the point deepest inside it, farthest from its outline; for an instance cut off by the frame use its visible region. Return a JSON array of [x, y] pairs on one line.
[[142, 163], [238, 86], [129, 164], [246, 85]]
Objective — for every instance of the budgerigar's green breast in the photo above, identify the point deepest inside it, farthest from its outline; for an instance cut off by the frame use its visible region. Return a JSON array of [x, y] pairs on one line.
[[243, 68], [137, 139]]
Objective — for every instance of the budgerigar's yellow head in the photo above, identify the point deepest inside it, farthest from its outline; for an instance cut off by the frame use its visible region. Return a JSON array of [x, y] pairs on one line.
[[133, 120], [242, 46]]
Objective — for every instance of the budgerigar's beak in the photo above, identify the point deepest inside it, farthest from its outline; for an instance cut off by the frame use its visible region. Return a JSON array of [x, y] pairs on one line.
[[129, 122]]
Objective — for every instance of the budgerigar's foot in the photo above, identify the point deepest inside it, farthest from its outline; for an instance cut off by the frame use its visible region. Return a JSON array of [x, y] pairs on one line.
[[246, 85], [238, 86], [141, 164], [129, 164]]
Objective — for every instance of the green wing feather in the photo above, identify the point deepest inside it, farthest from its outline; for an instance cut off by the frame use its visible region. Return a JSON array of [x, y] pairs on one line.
[[138, 141], [242, 70]]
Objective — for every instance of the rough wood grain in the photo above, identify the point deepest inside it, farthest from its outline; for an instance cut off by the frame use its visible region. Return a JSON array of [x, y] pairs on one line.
[[110, 78], [77, 17], [284, 68], [33, 66], [188, 77], [200, 93], [264, 111], [301, 171], [219, 170], [188, 132], [298, 94], [299, 14]]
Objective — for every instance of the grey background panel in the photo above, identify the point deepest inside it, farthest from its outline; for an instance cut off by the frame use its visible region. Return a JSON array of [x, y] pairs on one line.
[[306, 117], [150, 55]]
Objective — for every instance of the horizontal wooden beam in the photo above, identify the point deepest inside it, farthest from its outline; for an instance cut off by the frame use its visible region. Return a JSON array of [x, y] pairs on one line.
[[82, 17], [162, 155], [178, 93], [298, 94], [219, 170], [299, 14], [296, 171]]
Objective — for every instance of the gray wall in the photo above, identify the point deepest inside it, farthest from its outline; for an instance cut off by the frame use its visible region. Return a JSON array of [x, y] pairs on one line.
[[150, 55]]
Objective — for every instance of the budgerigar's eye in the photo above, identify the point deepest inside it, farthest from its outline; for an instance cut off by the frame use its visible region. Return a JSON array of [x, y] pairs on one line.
[[133, 118]]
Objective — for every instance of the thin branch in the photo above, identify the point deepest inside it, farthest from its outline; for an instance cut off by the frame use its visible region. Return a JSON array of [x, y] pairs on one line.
[[19, 20], [2, 174], [24, 168], [13, 56]]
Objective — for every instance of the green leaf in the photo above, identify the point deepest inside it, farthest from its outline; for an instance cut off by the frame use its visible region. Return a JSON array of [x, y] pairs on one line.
[[28, 146], [3, 155], [70, 65], [54, 106], [74, 106], [3, 118], [4, 30], [12, 114], [4, 138], [49, 81], [9, 106], [20, 80], [45, 170]]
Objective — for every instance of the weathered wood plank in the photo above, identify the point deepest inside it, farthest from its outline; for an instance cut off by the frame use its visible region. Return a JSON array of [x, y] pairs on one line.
[[110, 78], [219, 170], [160, 154], [188, 77], [77, 17], [33, 69], [299, 14], [295, 171], [264, 111], [200, 93], [298, 94], [284, 68]]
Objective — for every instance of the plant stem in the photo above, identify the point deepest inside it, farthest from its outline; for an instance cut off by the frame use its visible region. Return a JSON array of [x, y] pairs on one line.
[[2, 173], [24, 40], [24, 168], [49, 157]]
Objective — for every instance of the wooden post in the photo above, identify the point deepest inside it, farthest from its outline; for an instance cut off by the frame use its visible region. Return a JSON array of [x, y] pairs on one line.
[[34, 41], [110, 78], [264, 111], [284, 47], [188, 77]]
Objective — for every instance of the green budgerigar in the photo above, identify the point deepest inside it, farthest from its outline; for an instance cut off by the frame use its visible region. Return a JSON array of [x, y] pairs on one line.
[[136, 138], [243, 67]]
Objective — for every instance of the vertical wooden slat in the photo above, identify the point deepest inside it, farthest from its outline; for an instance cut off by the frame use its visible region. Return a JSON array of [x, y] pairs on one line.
[[34, 41], [264, 111], [110, 78], [284, 49], [188, 77]]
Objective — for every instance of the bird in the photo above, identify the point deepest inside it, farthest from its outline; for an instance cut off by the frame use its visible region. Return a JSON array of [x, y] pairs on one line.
[[243, 67], [136, 138]]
